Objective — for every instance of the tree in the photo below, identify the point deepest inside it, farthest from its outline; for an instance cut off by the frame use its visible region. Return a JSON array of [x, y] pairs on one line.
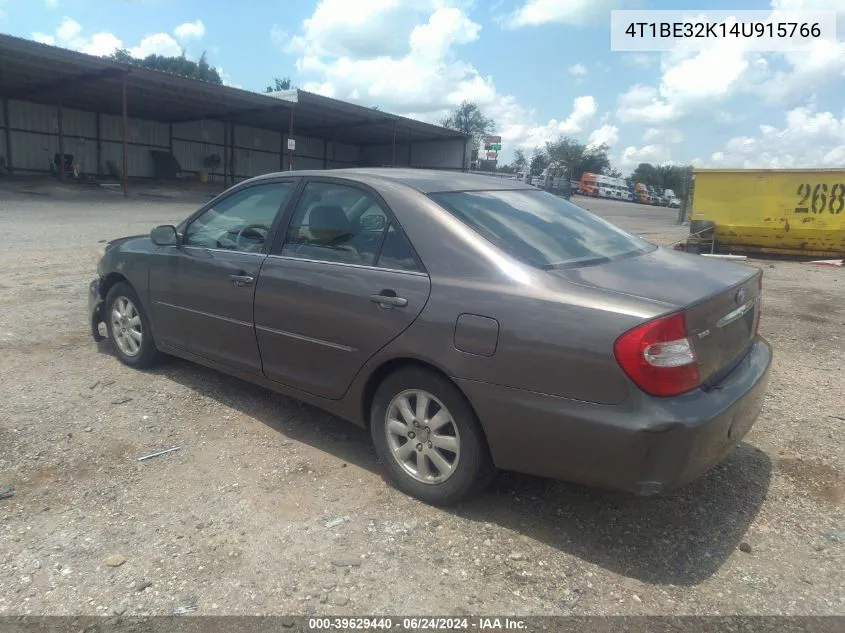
[[470, 120], [674, 177], [279, 85], [179, 65], [612, 172], [519, 161], [578, 158], [539, 161]]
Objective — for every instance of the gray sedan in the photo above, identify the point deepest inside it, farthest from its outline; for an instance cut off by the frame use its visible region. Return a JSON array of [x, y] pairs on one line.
[[471, 323]]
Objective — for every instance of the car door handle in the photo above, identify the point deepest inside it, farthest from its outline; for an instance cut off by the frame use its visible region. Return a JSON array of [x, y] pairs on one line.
[[241, 280], [388, 300]]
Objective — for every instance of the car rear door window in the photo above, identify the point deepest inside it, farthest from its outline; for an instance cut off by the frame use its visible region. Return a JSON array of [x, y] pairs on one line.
[[396, 252], [336, 223], [241, 221]]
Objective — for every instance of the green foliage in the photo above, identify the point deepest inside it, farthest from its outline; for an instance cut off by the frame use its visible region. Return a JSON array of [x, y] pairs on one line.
[[674, 177], [567, 153], [519, 161], [469, 119], [180, 65], [279, 85]]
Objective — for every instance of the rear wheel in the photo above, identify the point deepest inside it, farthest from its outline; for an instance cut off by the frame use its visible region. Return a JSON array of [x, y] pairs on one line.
[[129, 327], [428, 438]]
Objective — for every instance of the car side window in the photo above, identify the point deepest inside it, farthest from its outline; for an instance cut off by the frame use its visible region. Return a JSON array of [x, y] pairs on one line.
[[396, 252], [240, 222], [336, 223]]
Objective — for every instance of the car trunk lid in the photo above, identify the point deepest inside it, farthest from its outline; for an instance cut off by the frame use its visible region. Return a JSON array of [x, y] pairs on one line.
[[720, 300]]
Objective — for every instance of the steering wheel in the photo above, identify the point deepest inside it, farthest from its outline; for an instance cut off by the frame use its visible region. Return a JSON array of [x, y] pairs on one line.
[[258, 230]]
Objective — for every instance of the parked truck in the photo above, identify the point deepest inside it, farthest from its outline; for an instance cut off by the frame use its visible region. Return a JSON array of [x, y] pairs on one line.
[[797, 211]]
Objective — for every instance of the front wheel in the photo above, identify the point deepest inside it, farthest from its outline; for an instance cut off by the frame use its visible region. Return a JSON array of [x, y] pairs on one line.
[[129, 328], [428, 438]]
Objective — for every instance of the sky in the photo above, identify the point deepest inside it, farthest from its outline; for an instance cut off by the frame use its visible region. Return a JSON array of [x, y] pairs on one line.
[[538, 68]]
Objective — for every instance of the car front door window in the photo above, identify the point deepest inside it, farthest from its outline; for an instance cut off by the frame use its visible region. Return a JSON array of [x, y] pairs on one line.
[[241, 222]]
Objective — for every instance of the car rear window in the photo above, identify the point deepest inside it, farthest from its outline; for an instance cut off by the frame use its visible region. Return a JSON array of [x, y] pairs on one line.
[[541, 229]]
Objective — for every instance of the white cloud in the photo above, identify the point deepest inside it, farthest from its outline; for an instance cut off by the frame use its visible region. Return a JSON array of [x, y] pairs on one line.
[[51, 4], [2, 12], [536, 12], [190, 31], [701, 83], [367, 28], [632, 156], [157, 44], [670, 136], [69, 34], [606, 134], [639, 60], [415, 71], [808, 139], [578, 70]]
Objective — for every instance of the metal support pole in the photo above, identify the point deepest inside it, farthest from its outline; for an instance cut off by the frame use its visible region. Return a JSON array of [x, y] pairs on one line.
[[290, 136], [232, 152], [466, 147], [61, 143], [99, 147], [281, 151], [225, 154], [8, 134], [125, 140], [325, 153], [170, 138], [393, 159]]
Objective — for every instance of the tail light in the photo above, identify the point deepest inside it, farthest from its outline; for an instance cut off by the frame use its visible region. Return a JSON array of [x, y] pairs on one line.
[[658, 356]]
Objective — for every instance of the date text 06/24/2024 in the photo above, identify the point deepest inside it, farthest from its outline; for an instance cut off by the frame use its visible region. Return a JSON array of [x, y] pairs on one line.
[[691, 30], [416, 624]]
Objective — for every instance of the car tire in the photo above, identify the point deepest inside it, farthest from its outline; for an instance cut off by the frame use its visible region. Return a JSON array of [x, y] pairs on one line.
[[125, 320], [472, 467]]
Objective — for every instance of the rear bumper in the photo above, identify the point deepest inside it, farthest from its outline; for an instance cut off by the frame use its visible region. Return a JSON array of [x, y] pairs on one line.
[[95, 309], [645, 445]]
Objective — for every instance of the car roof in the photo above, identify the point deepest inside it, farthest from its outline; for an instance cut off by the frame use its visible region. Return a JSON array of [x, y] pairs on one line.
[[423, 180]]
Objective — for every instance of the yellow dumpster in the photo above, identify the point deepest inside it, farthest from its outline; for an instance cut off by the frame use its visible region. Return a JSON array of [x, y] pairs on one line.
[[798, 211]]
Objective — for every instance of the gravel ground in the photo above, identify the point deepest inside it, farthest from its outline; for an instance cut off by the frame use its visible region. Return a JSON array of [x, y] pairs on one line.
[[236, 521]]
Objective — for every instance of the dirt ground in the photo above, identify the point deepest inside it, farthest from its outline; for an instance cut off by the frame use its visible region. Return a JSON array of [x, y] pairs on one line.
[[235, 522]]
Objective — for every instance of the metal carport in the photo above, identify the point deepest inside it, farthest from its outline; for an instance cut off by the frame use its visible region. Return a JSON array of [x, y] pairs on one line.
[[108, 110]]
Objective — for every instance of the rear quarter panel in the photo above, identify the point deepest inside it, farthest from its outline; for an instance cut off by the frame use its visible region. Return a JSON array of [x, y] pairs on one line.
[[549, 342]]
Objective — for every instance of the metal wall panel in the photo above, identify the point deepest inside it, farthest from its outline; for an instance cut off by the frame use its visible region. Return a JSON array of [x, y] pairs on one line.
[[2, 111], [140, 161], [307, 146], [140, 131], [250, 163], [191, 155], [378, 155], [79, 123], [342, 153], [202, 131], [301, 163], [439, 154], [33, 151], [3, 141], [33, 117], [254, 138]]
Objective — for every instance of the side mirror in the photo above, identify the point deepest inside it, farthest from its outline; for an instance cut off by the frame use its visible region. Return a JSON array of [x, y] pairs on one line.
[[164, 235]]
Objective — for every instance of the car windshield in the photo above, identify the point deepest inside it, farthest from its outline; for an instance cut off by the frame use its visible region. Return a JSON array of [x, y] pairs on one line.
[[541, 229]]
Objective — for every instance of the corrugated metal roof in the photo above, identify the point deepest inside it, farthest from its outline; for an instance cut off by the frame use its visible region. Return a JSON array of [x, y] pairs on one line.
[[37, 72]]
